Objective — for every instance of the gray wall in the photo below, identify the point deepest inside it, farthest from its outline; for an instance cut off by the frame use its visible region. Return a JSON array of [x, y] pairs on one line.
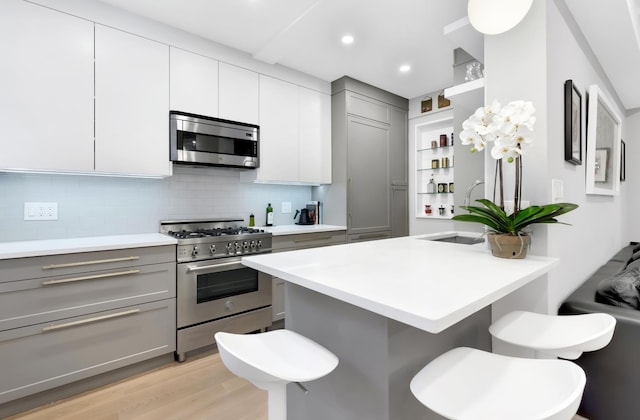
[[96, 206]]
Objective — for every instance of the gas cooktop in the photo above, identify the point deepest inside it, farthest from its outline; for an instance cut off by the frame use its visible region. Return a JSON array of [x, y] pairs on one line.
[[204, 239]]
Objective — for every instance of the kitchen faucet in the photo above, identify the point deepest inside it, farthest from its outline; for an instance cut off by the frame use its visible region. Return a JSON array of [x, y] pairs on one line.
[[467, 196]]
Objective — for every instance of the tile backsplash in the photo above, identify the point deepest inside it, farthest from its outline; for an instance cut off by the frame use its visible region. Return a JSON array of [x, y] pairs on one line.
[[96, 205]]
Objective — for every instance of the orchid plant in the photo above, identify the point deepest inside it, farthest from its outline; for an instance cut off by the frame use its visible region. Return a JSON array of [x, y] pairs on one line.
[[508, 131]]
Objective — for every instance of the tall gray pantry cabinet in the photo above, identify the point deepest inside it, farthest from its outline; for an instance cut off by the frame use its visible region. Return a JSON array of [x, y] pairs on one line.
[[369, 159]]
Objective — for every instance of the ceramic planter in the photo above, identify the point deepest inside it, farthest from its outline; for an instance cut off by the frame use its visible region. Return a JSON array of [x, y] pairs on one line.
[[505, 245]]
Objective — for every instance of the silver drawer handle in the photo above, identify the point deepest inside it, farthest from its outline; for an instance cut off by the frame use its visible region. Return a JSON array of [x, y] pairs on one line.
[[90, 320], [372, 236], [81, 263], [209, 267], [91, 277], [324, 238]]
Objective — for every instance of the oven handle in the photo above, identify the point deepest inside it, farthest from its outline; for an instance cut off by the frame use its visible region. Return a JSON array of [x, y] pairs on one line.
[[191, 269]]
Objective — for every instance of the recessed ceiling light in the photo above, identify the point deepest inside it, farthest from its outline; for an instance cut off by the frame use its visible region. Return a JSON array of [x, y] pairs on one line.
[[405, 68], [347, 39]]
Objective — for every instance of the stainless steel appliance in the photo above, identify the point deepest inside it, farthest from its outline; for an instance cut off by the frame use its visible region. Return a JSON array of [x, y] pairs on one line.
[[214, 291], [200, 140]]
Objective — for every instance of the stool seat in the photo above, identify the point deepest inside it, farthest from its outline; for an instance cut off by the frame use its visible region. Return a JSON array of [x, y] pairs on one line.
[[566, 336], [466, 383], [274, 356]]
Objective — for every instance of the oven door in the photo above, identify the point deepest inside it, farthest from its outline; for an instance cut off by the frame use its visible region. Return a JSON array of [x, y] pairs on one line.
[[209, 290]]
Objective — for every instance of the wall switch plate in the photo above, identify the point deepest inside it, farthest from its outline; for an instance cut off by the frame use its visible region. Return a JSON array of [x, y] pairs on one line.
[[557, 190], [509, 205], [40, 211], [286, 207]]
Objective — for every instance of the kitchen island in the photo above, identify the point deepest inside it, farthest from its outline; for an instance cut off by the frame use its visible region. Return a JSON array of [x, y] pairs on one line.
[[386, 308]]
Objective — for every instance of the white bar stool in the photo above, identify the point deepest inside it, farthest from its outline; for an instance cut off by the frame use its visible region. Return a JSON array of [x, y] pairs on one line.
[[466, 383], [272, 359], [566, 336]]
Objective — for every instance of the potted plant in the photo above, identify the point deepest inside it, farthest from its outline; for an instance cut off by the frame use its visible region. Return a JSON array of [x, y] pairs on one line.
[[509, 130]]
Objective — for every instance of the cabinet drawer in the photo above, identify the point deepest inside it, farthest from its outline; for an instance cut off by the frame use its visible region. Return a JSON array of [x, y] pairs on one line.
[[27, 302], [367, 107], [373, 236], [38, 357], [307, 240], [64, 264]]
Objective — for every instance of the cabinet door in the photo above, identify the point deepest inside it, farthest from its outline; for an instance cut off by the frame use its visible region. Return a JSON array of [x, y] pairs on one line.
[[314, 137], [44, 356], [368, 175], [398, 145], [194, 83], [132, 104], [239, 94], [398, 172], [46, 85], [278, 130]]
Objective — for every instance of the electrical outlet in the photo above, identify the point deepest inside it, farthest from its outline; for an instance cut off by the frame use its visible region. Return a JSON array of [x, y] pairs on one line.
[[40, 211], [509, 205], [286, 207]]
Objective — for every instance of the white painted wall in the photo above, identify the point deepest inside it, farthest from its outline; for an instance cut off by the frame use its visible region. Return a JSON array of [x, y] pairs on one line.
[[532, 62], [629, 188]]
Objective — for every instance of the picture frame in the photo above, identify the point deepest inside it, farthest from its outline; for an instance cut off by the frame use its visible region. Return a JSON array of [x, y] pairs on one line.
[[623, 160], [604, 134], [572, 123]]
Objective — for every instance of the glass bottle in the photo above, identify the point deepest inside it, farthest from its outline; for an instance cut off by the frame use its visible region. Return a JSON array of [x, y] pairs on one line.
[[269, 215], [431, 187]]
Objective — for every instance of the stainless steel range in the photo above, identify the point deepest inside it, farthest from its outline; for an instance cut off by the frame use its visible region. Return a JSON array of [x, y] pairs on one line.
[[214, 291]]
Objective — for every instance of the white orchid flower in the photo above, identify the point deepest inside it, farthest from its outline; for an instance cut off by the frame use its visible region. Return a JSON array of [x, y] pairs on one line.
[[504, 151], [471, 136]]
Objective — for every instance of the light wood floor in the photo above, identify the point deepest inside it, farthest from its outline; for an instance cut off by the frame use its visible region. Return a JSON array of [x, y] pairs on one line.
[[200, 388]]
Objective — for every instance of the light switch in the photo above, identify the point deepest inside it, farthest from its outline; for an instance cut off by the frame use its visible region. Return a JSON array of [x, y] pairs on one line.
[[557, 190]]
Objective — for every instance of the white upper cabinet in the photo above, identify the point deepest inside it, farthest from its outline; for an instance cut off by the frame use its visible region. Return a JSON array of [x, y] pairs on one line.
[[194, 83], [132, 104], [279, 117], [314, 128], [46, 89], [239, 92], [295, 134]]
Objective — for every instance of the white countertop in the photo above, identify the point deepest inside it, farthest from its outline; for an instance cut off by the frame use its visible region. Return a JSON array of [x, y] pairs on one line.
[[429, 285], [296, 229], [24, 249]]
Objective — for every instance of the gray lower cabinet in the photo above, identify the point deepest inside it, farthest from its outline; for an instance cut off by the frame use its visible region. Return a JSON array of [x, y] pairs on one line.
[[69, 317], [294, 242]]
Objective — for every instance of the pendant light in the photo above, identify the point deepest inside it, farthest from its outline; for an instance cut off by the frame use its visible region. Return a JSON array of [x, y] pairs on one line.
[[493, 17]]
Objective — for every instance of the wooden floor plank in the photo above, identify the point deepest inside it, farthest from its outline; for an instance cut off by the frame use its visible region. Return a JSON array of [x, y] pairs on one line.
[[200, 388]]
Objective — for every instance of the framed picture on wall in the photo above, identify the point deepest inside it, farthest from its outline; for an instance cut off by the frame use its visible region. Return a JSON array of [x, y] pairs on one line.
[[572, 123], [604, 134]]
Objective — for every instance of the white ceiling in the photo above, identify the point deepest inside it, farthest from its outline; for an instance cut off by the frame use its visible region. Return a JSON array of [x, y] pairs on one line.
[[305, 35]]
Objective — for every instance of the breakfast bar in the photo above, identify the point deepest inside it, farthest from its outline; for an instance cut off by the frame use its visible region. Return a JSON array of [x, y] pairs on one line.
[[386, 308]]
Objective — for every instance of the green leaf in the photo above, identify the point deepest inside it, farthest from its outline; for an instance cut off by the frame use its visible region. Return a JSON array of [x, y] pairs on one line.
[[495, 218]]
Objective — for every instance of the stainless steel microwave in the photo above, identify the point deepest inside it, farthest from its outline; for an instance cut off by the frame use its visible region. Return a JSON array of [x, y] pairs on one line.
[[200, 140]]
